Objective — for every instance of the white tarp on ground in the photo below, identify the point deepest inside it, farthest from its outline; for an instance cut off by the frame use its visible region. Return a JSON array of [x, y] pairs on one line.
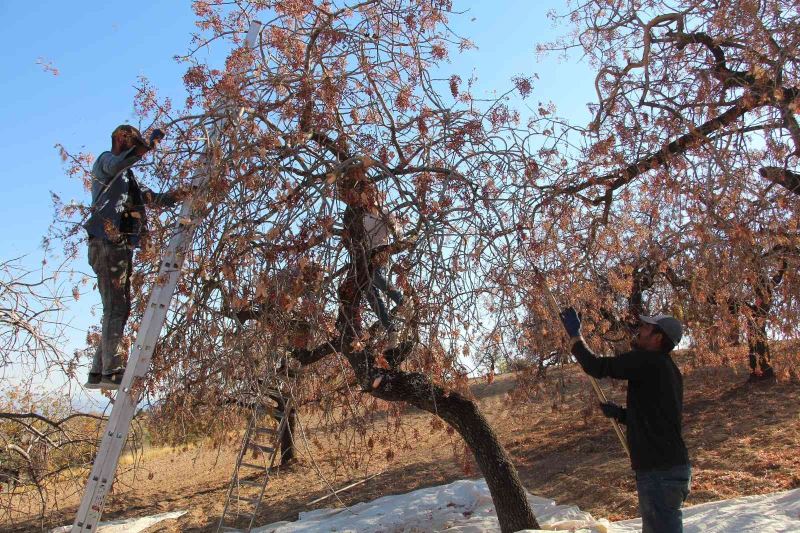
[[768, 513], [128, 525], [466, 507], [461, 507]]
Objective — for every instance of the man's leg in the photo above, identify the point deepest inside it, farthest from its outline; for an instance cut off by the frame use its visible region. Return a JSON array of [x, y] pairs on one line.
[[100, 269], [380, 281], [121, 269], [661, 495], [118, 298], [379, 307]]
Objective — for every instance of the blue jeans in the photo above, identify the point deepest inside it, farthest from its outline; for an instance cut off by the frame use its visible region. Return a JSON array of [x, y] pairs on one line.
[[380, 284], [661, 495]]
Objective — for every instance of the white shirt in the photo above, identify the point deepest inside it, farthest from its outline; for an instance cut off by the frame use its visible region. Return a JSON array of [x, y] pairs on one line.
[[377, 229]]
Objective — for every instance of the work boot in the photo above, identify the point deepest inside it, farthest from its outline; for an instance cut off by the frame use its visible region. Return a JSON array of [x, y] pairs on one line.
[[93, 382], [112, 381]]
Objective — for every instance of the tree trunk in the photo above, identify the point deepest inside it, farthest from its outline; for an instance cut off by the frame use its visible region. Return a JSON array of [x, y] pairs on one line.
[[758, 350], [287, 439], [733, 335], [509, 496], [757, 342]]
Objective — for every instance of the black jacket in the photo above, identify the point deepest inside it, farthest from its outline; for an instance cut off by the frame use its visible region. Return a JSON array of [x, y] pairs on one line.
[[118, 200], [655, 403]]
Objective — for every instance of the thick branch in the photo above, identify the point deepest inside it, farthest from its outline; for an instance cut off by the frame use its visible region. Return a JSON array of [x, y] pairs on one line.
[[783, 177], [721, 71], [695, 137]]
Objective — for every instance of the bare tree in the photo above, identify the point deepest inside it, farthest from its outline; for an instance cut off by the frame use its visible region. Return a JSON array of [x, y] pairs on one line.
[[341, 114]]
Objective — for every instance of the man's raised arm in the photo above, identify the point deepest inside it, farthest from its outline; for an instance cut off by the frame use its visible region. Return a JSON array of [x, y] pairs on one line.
[[624, 366]]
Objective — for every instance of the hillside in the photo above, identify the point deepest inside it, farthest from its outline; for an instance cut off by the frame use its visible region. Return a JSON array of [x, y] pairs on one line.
[[743, 440]]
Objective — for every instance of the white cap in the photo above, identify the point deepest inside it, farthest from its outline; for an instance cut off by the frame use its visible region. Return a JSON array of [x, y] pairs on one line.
[[670, 325]]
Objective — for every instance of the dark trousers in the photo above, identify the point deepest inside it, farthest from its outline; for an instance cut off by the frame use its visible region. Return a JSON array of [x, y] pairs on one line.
[[380, 284], [112, 263], [661, 495]]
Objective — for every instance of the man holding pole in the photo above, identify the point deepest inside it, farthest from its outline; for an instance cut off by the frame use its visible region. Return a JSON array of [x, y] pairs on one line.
[[652, 416]]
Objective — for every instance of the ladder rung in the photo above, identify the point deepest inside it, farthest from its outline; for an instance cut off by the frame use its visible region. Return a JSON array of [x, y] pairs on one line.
[[251, 483], [251, 501], [261, 447], [273, 411], [264, 431], [251, 465], [231, 529]]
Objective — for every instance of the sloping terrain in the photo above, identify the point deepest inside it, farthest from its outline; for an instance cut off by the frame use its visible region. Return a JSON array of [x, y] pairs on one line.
[[743, 440]]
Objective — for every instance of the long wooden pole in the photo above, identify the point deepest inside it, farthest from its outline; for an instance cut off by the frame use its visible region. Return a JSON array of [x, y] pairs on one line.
[[556, 309], [350, 486]]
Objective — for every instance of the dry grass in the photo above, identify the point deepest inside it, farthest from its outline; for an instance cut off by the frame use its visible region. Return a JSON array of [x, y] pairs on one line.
[[742, 440]]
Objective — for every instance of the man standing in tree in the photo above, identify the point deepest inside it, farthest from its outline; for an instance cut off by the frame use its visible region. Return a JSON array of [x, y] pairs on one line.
[[652, 416], [116, 225], [377, 227], [360, 191]]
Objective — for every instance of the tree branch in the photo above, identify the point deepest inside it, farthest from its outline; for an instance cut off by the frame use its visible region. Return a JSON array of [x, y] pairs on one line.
[[783, 177]]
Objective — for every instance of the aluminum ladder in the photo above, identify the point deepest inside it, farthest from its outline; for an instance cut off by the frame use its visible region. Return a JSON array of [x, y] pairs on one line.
[[124, 408]]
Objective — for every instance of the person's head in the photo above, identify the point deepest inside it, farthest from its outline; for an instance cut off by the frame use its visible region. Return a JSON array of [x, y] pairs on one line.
[[356, 188], [124, 137], [659, 333]]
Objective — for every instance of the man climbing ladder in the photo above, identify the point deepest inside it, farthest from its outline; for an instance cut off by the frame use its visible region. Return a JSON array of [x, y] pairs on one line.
[[116, 225], [116, 431]]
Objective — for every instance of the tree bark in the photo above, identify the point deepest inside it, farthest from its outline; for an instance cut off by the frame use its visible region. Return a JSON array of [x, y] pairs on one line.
[[509, 496], [287, 438], [783, 177], [758, 349]]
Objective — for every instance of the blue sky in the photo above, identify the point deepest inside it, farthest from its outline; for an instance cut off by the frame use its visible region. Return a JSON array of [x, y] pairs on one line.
[[100, 48]]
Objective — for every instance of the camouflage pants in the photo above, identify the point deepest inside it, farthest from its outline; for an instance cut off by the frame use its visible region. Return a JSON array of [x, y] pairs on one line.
[[112, 263]]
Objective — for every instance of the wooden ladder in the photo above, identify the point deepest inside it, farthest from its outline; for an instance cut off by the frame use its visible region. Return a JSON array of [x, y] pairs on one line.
[[252, 475]]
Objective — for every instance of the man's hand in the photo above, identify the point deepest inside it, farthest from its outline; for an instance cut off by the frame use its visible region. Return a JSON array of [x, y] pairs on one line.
[[612, 410], [142, 147], [156, 135], [181, 193], [572, 322]]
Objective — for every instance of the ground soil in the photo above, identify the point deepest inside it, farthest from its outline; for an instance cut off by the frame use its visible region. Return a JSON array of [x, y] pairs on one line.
[[743, 439]]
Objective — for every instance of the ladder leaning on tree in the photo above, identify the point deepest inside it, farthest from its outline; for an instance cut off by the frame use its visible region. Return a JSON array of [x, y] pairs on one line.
[[251, 475], [116, 431]]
